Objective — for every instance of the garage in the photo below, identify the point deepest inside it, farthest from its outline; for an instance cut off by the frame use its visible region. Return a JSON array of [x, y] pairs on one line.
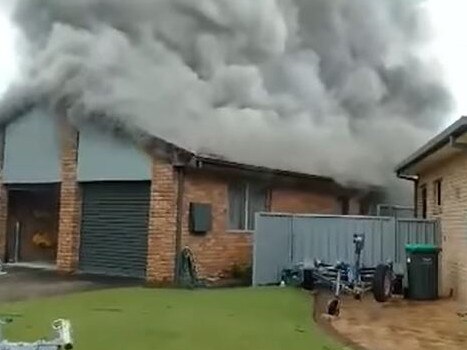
[[32, 224], [31, 173], [114, 228]]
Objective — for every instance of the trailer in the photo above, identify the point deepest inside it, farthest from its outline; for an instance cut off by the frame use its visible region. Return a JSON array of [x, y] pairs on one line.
[[348, 278]]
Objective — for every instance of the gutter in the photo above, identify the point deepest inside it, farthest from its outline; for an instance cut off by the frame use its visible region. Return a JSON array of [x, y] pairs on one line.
[[407, 177], [201, 161]]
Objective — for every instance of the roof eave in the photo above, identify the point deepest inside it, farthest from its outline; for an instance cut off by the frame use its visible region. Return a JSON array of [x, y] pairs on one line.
[[200, 161], [444, 138], [260, 169]]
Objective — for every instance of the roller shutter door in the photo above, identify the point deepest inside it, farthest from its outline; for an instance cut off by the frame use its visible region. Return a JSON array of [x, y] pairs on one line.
[[114, 228]]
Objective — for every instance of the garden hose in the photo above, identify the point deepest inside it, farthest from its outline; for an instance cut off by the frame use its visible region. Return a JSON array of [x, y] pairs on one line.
[[188, 271]]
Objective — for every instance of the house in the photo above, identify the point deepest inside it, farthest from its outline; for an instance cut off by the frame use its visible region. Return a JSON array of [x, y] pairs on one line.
[[438, 171], [105, 202]]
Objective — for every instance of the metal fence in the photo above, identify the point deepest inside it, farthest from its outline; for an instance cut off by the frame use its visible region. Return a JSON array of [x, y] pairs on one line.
[[283, 240], [396, 211]]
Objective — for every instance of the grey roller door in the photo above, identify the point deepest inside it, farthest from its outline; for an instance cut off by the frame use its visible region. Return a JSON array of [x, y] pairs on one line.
[[114, 228]]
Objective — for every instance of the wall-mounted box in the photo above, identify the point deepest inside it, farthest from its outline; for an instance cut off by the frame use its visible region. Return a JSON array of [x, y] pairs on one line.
[[200, 218]]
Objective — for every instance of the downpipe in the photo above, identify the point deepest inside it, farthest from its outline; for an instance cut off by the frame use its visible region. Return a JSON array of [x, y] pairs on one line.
[[179, 222]]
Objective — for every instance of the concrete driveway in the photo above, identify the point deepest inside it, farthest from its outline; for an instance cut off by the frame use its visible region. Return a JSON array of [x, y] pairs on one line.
[[400, 325], [22, 284]]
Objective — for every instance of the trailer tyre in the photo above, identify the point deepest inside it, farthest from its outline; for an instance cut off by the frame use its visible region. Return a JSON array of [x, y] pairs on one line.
[[382, 283]]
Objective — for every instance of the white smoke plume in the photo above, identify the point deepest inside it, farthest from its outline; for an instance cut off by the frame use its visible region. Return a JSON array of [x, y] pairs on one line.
[[329, 87]]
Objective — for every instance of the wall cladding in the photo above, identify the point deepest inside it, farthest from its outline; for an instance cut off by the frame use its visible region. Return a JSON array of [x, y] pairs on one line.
[[32, 149], [104, 157]]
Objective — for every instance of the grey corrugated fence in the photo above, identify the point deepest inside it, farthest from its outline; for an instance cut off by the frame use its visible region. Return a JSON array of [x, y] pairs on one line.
[[283, 240], [396, 211]]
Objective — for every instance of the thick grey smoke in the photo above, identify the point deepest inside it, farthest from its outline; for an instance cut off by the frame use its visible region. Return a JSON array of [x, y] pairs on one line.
[[331, 87]]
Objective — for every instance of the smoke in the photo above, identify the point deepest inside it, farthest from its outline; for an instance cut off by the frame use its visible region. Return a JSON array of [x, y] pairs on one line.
[[329, 87]]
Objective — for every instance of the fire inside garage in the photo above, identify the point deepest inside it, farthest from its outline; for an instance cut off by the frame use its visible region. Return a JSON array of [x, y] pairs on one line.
[[32, 223]]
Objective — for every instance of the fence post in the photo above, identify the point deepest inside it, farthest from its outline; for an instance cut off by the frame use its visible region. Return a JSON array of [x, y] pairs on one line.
[[396, 240], [291, 240], [255, 251], [398, 249]]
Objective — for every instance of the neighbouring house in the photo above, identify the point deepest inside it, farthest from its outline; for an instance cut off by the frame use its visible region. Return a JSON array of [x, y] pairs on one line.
[[95, 201], [439, 173]]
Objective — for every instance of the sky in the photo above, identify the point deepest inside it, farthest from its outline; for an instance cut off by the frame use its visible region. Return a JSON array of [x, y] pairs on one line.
[[449, 47]]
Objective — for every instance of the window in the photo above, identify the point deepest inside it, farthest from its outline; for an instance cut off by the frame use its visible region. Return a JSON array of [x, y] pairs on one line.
[[245, 200], [438, 192], [424, 201], [344, 202]]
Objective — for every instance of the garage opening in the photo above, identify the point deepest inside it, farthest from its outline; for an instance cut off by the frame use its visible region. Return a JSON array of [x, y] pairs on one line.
[[114, 228], [32, 226]]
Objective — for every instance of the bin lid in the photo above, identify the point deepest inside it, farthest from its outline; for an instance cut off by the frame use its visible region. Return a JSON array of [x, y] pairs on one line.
[[421, 248]]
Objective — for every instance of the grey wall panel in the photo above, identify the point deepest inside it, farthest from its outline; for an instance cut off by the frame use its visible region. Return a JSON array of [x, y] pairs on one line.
[[32, 149], [272, 248], [330, 239], [104, 157]]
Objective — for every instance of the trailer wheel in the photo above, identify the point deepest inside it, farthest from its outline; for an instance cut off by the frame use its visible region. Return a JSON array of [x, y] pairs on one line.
[[382, 283]]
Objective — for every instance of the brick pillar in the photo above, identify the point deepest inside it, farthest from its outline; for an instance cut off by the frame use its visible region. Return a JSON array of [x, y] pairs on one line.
[[162, 224], [3, 220], [70, 202]]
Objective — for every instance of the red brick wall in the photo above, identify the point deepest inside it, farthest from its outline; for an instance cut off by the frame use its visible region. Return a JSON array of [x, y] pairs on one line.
[[220, 249], [162, 224], [70, 203], [299, 201]]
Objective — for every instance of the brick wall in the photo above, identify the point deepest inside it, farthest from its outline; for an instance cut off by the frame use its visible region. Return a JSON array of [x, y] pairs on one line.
[[218, 250], [295, 200], [162, 224], [354, 206], [3, 220], [221, 248], [453, 216], [70, 202]]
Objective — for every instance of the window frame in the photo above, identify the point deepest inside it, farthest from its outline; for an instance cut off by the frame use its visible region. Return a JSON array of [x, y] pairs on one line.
[[246, 188]]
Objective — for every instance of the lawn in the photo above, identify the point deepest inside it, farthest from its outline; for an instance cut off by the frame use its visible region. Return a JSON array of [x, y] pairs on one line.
[[150, 319]]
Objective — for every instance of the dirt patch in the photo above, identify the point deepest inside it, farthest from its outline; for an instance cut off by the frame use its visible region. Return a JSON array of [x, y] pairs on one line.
[[397, 325], [326, 323]]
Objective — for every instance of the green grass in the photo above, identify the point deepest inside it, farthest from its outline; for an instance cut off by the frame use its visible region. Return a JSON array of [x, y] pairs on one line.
[[137, 318]]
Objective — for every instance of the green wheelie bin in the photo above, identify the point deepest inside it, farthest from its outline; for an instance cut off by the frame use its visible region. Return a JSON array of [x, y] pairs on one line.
[[422, 271]]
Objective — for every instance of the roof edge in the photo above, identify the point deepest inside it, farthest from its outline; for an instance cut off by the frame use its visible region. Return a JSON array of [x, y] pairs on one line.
[[454, 130], [260, 168], [178, 155], [283, 173]]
